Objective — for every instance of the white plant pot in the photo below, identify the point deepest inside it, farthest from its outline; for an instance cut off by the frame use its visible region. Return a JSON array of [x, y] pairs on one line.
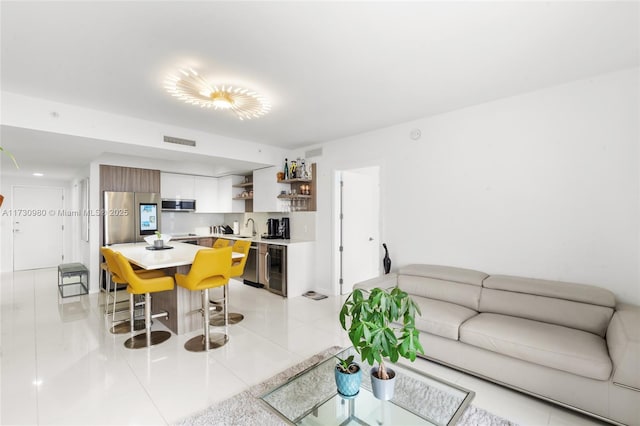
[[383, 389]]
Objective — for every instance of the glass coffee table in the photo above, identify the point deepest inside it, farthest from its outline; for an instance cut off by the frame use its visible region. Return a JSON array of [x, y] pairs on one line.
[[310, 398]]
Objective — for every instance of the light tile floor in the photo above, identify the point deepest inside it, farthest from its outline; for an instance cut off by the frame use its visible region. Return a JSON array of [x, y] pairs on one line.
[[60, 364]]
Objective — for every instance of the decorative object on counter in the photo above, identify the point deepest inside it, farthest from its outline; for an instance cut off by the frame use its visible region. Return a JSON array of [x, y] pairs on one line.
[[386, 261], [286, 169], [348, 376], [189, 86], [294, 169], [236, 227], [373, 336], [165, 238]]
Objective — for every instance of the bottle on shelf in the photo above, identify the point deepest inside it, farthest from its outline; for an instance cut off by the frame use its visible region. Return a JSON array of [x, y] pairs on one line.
[[286, 169]]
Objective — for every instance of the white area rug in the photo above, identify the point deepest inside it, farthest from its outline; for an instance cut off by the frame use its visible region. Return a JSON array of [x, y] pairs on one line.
[[246, 408]]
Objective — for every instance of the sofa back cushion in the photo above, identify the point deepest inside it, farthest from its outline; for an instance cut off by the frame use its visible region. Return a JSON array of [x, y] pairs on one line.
[[578, 306], [446, 283]]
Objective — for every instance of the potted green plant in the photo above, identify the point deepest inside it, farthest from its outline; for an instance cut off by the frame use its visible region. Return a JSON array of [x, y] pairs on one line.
[[2, 150], [382, 326], [348, 376]]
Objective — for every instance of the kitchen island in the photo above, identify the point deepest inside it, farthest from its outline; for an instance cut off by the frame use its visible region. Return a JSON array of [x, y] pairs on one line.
[[182, 305], [300, 263]]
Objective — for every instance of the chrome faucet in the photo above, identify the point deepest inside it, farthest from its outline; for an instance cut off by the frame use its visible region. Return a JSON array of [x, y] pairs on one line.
[[253, 226]]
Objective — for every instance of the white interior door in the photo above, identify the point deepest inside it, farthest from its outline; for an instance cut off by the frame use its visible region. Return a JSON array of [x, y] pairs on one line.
[[360, 226], [37, 227]]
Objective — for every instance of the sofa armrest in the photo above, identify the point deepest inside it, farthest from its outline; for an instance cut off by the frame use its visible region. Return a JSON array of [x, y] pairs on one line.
[[384, 282], [623, 342]]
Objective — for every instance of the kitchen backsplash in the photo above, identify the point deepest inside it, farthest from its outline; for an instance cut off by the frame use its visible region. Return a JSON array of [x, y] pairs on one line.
[[185, 223], [303, 224]]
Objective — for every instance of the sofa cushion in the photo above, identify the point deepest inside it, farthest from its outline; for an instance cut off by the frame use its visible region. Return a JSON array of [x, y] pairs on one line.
[[446, 273], [554, 346], [582, 293], [441, 318], [581, 316], [445, 283]]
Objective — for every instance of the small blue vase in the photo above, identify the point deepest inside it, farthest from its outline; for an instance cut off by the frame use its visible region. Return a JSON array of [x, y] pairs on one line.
[[348, 384]]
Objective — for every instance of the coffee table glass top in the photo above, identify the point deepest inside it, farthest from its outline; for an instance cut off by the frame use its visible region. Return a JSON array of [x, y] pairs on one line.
[[310, 398]]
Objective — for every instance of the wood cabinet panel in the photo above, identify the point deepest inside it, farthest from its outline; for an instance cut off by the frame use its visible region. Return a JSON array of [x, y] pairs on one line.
[[129, 179]]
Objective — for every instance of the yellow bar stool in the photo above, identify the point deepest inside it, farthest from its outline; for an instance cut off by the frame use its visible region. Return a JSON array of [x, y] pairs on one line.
[[115, 277], [221, 243], [237, 269], [146, 286], [218, 243], [210, 269]]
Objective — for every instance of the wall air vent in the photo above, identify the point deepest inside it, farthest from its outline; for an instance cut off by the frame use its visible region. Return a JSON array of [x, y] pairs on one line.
[[313, 153], [179, 141]]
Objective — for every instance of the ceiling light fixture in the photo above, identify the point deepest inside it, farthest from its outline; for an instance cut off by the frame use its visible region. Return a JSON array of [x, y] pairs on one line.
[[192, 88]]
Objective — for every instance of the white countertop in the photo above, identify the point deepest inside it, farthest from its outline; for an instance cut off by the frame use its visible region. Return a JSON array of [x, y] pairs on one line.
[[256, 239], [180, 255]]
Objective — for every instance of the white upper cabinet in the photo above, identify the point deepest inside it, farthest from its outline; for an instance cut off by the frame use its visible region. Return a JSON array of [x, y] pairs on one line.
[[177, 186], [266, 190], [226, 203], [206, 194]]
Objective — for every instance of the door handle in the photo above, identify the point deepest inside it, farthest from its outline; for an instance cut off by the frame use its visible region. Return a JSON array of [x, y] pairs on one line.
[[267, 267], [370, 238]]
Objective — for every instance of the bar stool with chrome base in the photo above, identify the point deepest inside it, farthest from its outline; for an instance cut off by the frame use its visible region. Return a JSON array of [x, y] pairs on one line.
[[115, 277], [210, 269], [237, 269], [218, 243], [146, 286]]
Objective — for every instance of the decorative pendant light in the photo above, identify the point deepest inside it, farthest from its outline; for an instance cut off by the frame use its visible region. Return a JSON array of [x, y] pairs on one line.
[[190, 87]]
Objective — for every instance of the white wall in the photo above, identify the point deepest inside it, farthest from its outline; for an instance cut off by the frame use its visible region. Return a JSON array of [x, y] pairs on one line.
[[542, 185]]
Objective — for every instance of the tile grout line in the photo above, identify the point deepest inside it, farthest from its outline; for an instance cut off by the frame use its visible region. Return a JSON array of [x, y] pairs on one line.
[[137, 379], [35, 345]]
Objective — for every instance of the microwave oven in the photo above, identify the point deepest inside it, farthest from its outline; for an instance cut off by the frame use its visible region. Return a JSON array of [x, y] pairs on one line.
[[178, 205]]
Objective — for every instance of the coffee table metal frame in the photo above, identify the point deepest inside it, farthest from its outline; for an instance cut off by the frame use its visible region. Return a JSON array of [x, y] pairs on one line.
[[313, 408]]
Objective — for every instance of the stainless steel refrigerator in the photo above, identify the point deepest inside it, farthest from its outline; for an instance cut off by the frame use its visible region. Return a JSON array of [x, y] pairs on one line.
[[130, 216]]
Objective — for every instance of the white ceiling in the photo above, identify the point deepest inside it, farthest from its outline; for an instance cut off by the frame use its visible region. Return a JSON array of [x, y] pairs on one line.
[[330, 69]]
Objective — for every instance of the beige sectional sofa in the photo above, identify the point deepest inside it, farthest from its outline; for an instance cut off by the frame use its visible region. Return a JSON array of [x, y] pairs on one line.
[[568, 343]]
